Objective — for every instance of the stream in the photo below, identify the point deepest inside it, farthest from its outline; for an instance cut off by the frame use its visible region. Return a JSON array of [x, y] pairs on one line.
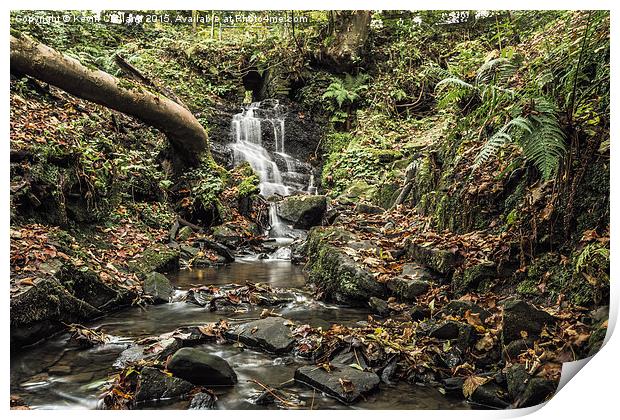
[[51, 375]]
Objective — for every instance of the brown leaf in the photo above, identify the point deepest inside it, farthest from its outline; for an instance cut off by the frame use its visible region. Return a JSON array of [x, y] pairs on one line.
[[472, 383]]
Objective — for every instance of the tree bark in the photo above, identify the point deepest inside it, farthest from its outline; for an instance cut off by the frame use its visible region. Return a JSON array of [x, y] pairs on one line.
[[187, 136], [350, 33]]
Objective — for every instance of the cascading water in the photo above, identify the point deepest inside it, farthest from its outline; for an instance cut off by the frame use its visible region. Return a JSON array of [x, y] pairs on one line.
[[259, 135]]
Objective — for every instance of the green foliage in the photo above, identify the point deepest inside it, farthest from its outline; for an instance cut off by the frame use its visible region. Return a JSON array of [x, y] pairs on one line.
[[539, 134], [343, 94]]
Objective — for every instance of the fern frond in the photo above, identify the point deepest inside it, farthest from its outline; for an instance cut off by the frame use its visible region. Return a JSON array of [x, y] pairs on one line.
[[491, 147]]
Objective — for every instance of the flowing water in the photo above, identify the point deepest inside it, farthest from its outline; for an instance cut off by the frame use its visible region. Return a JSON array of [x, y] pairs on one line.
[[259, 138], [52, 375]]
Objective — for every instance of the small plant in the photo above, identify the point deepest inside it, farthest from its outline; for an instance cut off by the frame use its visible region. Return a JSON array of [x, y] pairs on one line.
[[343, 95]]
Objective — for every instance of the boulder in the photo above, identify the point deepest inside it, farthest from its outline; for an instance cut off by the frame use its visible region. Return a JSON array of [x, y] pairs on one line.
[[419, 313], [86, 285], [228, 236], [184, 233], [158, 257], [407, 288], [158, 287], [201, 368], [343, 382], [459, 332], [513, 349], [521, 316], [517, 379], [304, 211], [155, 385], [474, 276], [366, 208], [203, 401], [270, 334], [335, 273], [442, 261], [43, 309], [490, 395]]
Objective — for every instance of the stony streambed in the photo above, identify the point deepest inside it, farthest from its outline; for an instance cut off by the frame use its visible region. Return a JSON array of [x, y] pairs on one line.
[[55, 375]]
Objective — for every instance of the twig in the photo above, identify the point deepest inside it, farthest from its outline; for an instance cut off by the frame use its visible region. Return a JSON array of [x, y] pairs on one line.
[[276, 396]]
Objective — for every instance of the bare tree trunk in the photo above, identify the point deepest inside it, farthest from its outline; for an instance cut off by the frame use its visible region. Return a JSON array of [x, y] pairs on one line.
[[350, 33], [185, 133]]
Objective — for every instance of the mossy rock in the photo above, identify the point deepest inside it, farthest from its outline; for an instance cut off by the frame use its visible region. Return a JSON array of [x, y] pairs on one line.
[[442, 261], [158, 287], [85, 284], [304, 211], [184, 233], [474, 277], [336, 274], [41, 310], [158, 258], [357, 191]]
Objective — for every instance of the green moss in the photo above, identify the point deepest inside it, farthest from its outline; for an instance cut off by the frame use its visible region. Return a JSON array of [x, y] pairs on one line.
[[158, 258]]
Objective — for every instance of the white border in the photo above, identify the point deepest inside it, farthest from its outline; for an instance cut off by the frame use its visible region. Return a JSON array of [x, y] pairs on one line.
[[592, 394]]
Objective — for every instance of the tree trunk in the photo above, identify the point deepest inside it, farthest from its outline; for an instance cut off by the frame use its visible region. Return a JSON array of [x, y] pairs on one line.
[[350, 33], [185, 133]]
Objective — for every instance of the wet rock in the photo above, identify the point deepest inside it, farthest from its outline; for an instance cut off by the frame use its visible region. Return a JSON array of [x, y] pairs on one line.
[[490, 395], [521, 316], [442, 261], [335, 273], [537, 391], [158, 257], [343, 382], [350, 357], [158, 287], [155, 385], [379, 306], [201, 368], [203, 401], [184, 233], [43, 309], [270, 334], [227, 235], [407, 288], [368, 208], [304, 211], [596, 340], [460, 307]]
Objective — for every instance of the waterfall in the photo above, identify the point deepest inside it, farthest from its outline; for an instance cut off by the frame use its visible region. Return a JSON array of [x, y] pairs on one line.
[[252, 131]]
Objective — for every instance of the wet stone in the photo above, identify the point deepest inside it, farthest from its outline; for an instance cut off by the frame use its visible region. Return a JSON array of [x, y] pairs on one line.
[[158, 287], [203, 401], [343, 382], [155, 385], [201, 368], [407, 288], [270, 334]]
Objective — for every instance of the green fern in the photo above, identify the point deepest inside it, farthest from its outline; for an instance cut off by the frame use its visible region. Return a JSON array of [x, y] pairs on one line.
[[539, 135]]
